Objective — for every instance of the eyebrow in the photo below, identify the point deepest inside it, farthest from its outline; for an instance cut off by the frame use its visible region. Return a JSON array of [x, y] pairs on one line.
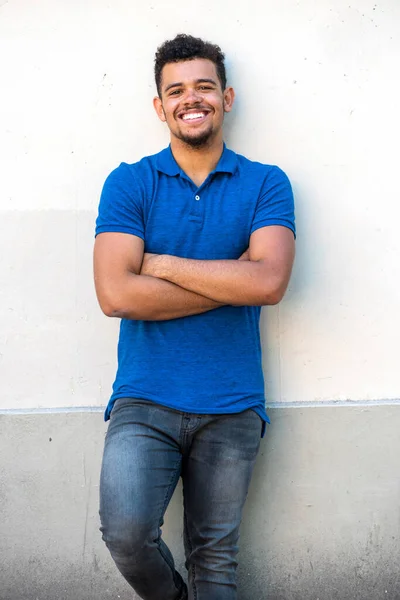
[[179, 84]]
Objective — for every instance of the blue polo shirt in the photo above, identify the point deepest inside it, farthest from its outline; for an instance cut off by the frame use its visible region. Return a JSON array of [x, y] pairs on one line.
[[209, 363]]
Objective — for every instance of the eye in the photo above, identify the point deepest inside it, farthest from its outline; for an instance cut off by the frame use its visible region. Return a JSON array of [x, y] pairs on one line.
[[175, 93], [205, 87]]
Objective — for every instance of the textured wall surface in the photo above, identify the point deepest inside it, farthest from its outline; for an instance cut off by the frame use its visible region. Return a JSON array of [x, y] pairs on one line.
[[322, 519], [318, 94]]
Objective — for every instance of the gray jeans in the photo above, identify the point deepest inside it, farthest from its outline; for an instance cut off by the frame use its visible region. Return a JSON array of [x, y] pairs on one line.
[[147, 448]]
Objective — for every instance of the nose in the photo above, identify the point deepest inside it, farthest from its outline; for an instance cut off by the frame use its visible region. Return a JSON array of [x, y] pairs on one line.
[[192, 96]]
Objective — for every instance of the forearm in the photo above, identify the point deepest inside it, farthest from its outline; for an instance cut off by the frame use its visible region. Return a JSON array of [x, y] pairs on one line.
[[146, 298], [236, 282]]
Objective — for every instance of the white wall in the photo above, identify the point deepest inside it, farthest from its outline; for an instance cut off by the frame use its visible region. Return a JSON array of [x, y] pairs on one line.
[[317, 93]]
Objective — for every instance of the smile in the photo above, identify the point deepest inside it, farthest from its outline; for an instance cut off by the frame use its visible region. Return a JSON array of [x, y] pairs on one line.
[[194, 117]]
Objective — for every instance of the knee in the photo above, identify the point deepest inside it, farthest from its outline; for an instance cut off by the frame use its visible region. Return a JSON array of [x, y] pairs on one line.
[[218, 558], [126, 536]]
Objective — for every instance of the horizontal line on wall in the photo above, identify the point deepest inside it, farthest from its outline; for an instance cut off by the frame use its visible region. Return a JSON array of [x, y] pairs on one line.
[[333, 403], [45, 411], [313, 404]]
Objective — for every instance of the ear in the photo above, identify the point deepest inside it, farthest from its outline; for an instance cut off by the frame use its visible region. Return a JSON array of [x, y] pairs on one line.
[[158, 107], [229, 97]]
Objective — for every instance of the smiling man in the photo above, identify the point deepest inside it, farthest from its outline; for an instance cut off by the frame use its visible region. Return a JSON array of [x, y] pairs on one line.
[[190, 243]]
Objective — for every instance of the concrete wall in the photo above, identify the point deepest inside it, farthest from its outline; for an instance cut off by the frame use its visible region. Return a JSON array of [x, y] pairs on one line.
[[317, 93], [321, 521]]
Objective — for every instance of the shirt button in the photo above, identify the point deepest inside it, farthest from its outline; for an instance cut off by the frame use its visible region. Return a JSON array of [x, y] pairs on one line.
[[197, 197]]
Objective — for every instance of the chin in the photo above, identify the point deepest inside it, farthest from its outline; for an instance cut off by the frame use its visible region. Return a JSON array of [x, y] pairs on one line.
[[196, 141]]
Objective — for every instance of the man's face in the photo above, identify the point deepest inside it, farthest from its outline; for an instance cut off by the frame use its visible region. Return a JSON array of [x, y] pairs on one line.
[[192, 101]]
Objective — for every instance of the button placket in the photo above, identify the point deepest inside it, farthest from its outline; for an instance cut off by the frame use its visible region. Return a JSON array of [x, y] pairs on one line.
[[196, 211]]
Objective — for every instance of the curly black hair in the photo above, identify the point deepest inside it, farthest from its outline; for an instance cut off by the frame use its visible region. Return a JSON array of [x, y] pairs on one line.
[[186, 47]]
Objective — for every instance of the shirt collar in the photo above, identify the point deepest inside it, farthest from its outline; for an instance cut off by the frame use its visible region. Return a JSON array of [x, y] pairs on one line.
[[167, 164]]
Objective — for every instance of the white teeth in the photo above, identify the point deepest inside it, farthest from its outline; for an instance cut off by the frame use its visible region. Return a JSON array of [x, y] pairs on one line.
[[192, 116]]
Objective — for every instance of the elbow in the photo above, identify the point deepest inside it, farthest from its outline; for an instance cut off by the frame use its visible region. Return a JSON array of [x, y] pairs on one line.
[[119, 308], [274, 294], [117, 300], [270, 299], [108, 308], [272, 283], [118, 312], [114, 308], [273, 299], [106, 299]]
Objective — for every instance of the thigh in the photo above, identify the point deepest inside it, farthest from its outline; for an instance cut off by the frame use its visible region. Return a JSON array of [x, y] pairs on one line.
[[216, 477], [141, 466]]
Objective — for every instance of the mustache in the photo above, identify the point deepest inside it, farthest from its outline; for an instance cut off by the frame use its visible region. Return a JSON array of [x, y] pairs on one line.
[[198, 107]]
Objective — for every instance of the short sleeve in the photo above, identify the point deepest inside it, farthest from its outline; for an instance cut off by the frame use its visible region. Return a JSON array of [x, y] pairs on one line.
[[275, 205], [121, 204]]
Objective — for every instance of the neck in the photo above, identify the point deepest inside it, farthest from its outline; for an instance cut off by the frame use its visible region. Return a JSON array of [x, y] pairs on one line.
[[197, 163]]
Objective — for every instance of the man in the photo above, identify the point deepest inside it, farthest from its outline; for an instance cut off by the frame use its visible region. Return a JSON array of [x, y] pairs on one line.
[[190, 244]]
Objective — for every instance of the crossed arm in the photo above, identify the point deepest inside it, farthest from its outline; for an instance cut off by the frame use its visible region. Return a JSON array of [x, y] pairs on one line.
[[135, 285]]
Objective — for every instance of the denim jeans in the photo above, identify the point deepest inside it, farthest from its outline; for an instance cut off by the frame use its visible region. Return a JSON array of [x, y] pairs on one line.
[[147, 448]]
